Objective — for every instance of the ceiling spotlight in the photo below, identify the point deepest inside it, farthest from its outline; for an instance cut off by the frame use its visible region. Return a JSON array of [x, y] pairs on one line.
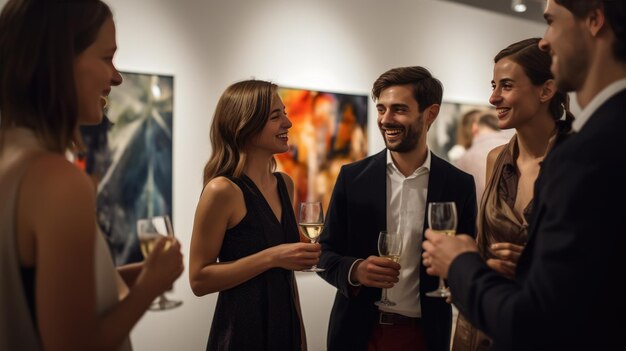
[[518, 5]]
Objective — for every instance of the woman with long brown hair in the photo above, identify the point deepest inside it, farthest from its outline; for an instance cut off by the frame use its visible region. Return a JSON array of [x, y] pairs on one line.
[[245, 241]]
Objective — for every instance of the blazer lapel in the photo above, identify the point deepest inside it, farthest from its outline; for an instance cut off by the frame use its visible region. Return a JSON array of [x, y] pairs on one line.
[[379, 188], [436, 182]]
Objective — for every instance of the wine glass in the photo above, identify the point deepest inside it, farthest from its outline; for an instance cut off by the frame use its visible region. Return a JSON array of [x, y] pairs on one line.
[[149, 230], [311, 222], [442, 220], [389, 247]]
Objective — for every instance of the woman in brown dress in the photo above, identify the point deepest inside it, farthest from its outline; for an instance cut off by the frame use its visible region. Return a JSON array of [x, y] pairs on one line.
[[526, 98]]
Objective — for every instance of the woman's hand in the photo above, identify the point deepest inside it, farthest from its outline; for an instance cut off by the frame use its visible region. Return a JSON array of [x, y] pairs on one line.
[[296, 256], [162, 267], [507, 255]]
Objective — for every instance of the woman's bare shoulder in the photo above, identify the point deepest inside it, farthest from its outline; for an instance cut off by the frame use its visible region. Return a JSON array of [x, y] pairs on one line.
[[221, 187], [222, 192], [52, 174]]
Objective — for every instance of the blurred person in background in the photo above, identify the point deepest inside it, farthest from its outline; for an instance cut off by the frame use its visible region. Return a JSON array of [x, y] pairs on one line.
[[463, 134], [486, 135]]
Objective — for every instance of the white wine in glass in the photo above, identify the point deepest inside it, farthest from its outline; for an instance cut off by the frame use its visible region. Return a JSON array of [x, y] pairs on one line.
[[442, 219], [149, 230], [389, 247], [311, 222]]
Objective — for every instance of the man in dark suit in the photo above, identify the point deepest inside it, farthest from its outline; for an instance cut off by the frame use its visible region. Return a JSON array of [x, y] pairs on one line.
[[570, 276], [390, 191]]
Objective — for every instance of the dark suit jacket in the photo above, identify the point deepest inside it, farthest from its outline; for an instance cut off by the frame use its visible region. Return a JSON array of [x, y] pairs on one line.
[[571, 276], [357, 213]]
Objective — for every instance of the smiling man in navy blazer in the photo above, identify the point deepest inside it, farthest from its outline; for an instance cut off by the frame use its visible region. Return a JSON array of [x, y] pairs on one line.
[[390, 191], [571, 274]]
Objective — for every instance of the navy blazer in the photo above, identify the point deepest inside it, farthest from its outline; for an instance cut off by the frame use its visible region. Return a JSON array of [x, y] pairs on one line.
[[571, 274], [357, 213]]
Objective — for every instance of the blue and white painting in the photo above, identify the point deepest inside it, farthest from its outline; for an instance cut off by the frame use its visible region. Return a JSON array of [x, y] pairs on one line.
[[134, 167]]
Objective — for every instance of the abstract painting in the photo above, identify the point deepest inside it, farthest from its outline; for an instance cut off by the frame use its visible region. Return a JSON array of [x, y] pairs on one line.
[[130, 157], [328, 131]]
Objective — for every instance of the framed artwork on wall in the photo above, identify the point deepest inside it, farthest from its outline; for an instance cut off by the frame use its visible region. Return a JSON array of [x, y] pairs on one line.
[[129, 156], [328, 130]]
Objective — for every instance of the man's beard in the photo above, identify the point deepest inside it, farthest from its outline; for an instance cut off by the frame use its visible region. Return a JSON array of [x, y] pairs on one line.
[[410, 139]]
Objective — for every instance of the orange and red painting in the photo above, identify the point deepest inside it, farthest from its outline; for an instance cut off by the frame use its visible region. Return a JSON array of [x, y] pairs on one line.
[[329, 130]]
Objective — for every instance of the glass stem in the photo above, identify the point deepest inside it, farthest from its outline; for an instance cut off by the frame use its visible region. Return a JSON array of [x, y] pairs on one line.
[[442, 284], [313, 241], [384, 295]]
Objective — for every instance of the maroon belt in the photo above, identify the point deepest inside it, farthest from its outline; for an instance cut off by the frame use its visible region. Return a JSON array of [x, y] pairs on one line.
[[387, 318]]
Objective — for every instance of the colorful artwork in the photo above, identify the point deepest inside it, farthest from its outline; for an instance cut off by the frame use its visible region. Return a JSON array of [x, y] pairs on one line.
[[130, 158], [442, 133], [329, 130]]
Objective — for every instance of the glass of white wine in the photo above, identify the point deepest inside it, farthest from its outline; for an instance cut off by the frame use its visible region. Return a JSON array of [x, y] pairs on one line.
[[442, 219], [149, 230], [311, 222], [389, 247]]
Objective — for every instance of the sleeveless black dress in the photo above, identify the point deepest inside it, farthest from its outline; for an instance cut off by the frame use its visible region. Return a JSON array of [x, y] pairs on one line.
[[259, 314]]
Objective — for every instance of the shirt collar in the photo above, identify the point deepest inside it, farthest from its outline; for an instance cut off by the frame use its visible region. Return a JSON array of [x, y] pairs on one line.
[[424, 167], [596, 102]]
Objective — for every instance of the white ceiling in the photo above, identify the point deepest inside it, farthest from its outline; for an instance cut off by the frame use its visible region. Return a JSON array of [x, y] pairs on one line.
[[534, 10]]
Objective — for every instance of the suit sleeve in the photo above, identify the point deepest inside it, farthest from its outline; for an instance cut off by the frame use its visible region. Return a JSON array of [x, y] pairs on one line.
[[468, 210], [549, 300], [334, 239]]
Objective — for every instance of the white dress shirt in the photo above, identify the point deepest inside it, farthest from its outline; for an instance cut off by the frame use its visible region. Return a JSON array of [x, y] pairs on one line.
[[406, 205], [596, 102]]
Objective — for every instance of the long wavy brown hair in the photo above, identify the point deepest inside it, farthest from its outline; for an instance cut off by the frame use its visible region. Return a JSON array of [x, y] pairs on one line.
[[240, 115]]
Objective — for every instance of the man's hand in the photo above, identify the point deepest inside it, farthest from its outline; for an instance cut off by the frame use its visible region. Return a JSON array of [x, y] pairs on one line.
[[440, 250], [376, 272]]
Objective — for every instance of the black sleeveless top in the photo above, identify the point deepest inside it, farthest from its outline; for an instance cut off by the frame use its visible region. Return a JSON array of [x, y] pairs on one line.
[[259, 314], [28, 282]]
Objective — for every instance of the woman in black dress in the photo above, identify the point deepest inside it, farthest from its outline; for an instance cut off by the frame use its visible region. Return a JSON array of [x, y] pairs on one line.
[[245, 241]]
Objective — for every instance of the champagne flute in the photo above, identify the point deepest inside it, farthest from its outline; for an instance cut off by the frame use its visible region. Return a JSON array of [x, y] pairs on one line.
[[389, 247], [442, 220], [311, 222], [149, 230]]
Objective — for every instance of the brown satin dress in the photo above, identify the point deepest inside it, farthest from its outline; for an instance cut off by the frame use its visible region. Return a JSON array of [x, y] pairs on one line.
[[497, 222]]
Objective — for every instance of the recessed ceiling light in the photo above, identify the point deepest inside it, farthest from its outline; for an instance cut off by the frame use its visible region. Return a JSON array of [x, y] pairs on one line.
[[518, 5]]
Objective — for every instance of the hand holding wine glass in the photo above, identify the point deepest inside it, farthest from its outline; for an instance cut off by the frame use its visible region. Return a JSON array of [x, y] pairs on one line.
[[311, 222], [389, 247], [150, 231], [442, 220]]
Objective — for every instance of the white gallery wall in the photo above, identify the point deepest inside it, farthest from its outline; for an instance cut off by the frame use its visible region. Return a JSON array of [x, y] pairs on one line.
[[331, 45]]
